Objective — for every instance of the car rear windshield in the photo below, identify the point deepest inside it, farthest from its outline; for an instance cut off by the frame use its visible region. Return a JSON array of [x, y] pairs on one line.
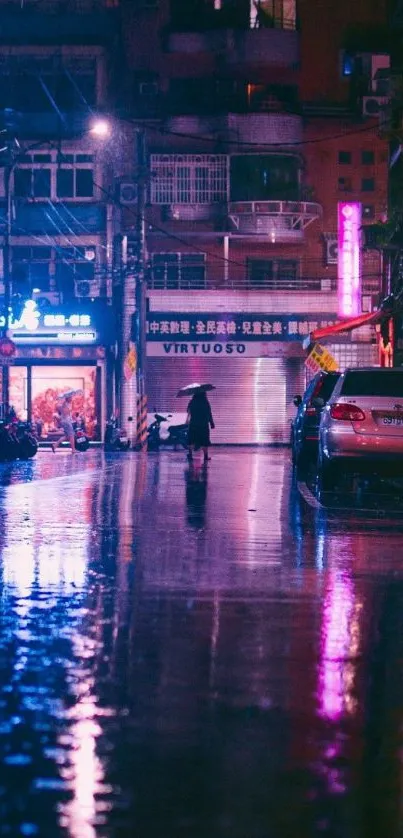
[[373, 383], [327, 386]]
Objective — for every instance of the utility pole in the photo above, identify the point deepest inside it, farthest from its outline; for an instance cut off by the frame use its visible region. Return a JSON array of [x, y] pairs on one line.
[[133, 401], [7, 285]]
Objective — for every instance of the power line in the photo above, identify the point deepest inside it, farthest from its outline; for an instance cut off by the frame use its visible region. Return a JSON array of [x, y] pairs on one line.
[[49, 241], [260, 146]]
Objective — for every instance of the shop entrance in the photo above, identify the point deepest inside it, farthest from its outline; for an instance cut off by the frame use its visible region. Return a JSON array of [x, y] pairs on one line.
[[35, 389]]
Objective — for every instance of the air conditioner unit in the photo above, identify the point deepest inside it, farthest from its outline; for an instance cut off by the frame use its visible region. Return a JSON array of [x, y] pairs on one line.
[[374, 105], [87, 288], [331, 251], [326, 284], [128, 193]]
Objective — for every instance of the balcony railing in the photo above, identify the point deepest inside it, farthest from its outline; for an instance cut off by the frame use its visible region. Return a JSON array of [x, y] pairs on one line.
[[276, 45], [279, 220], [214, 279], [218, 282]]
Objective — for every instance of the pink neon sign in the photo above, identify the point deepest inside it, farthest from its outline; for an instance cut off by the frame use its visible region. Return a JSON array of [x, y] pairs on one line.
[[349, 259]]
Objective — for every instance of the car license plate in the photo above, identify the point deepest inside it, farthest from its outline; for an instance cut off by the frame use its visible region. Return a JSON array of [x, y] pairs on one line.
[[396, 421]]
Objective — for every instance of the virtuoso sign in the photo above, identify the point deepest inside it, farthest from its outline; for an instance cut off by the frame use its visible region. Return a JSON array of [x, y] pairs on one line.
[[349, 259]]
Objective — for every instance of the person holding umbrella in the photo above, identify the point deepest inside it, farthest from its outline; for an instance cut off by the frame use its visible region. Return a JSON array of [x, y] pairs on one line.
[[66, 421], [199, 418]]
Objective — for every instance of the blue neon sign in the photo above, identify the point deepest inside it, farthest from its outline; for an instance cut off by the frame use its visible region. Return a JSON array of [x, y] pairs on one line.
[[34, 326]]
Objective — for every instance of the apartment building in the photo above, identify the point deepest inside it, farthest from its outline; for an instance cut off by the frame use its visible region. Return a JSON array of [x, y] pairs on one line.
[[256, 129], [55, 69], [251, 147]]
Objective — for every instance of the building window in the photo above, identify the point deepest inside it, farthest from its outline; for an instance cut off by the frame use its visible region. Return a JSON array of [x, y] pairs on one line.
[[344, 157], [368, 184], [281, 274], [345, 184], [272, 14], [74, 182], [32, 178], [347, 64], [178, 270], [35, 82], [30, 269], [55, 176], [265, 177], [188, 178], [368, 211], [367, 158]]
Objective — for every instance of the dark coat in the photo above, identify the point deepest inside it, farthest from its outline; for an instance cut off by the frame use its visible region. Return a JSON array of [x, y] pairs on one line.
[[201, 420]]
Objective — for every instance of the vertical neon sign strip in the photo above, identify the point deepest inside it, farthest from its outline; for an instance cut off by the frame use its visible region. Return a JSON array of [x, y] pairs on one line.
[[349, 259]]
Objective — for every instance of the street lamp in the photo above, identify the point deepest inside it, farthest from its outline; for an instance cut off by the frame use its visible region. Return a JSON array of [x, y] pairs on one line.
[[100, 128]]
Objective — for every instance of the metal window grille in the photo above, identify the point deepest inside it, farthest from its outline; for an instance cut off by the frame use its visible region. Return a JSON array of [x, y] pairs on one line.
[[189, 178], [178, 270], [354, 354]]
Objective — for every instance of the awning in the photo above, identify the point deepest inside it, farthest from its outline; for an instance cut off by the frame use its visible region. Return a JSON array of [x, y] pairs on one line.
[[345, 326]]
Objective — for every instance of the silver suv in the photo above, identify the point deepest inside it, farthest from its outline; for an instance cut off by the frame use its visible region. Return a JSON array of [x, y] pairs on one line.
[[361, 427]]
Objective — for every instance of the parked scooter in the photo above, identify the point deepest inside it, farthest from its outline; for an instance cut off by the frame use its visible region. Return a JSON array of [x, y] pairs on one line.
[[17, 439], [81, 440], [115, 438], [27, 441], [159, 433]]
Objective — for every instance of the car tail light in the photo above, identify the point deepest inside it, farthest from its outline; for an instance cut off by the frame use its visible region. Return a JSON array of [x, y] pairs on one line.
[[346, 412]]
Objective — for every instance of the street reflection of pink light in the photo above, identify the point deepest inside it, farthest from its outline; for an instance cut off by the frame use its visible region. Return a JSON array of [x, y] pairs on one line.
[[85, 774], [336, 639]]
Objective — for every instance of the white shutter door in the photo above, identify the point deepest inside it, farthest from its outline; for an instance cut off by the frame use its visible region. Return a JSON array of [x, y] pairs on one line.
[[253, 400]]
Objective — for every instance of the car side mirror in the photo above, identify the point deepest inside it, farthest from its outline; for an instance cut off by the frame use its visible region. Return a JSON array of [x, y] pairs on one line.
[[297, 400], [318, 402]]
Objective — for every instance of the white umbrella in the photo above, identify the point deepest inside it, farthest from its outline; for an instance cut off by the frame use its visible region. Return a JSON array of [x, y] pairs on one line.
[[191, 389], [69, 393]]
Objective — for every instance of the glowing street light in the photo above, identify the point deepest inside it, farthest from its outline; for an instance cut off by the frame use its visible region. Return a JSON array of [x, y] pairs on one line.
[[101, 128]]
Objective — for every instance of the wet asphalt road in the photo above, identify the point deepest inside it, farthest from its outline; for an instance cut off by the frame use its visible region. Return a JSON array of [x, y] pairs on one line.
[[210, 655]]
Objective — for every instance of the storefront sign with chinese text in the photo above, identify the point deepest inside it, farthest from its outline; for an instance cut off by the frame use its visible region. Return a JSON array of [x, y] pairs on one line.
[[321, 359], [33, 326], [232, 328], [130, 362]]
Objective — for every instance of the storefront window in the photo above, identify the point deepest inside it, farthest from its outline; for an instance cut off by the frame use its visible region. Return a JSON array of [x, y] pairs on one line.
[[49, 383], [19, 390]]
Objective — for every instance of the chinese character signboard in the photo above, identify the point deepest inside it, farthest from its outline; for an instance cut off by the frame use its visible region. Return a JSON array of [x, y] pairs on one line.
[[226, 328], [320, 359], [130, 362], [33, 326], [349, 259]]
